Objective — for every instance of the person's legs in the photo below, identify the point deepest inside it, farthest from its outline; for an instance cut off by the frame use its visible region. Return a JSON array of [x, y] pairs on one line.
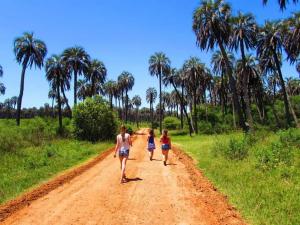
[[124, 160], [164, 153]]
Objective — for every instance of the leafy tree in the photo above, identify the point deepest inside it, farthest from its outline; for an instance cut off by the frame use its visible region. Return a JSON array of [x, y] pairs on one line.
[[211, 26], [159, 65], [77, 61], [151, 95], [29, 51]]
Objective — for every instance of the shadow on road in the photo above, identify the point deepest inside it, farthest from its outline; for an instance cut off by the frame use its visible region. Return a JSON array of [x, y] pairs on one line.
[[133, 179]]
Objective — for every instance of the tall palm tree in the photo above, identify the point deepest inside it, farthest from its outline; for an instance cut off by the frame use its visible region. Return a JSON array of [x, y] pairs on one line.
[[109, 89], [14, 101], [282, 3], [77, 61], [55, 75], [2, 87], [194, 71], [243, 37], [178, 77], [292, 37], [269, 49], [220, 68], [159, 65], [151, 95], [83, 89], [137, 101], [211, 26], [127, 81], [29, 51], [96, 75], [52, 95]]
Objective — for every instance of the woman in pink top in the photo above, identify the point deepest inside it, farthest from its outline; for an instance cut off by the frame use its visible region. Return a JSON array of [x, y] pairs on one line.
[[123, 146]]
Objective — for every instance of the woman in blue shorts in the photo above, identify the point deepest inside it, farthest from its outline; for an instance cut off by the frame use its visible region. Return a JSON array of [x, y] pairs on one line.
[[151, 144], [123, 146]]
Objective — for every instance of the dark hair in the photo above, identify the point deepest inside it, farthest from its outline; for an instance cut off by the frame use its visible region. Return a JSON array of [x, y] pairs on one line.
[[123, 128], [165, 132], [151, 132]]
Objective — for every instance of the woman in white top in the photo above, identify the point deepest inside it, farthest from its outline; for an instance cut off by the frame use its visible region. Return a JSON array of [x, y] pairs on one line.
[[123, 146]]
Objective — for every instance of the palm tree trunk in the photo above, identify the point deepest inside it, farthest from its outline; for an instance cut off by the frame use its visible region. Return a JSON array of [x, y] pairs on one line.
[[75, 87], [59, 109], [126, 105], [67, 102], [160, 109], [232, 84], [233, 115], [285, 96], [195, 111], [151, 114], [111, 101], [21, 92], [245, 82], [53, 114], [292, 109], [183, 108]]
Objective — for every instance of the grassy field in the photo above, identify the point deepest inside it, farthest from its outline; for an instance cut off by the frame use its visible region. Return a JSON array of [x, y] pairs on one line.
[[264, 185], [34, 153]]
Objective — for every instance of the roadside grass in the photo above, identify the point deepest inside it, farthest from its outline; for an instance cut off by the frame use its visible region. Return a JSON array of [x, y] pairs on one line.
[[263, 196], [29, 166]]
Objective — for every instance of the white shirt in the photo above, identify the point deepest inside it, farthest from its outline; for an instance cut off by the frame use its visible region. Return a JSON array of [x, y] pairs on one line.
[[123, 144]]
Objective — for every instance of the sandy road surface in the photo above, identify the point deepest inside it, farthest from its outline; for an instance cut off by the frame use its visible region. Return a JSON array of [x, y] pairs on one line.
[[155, 195]]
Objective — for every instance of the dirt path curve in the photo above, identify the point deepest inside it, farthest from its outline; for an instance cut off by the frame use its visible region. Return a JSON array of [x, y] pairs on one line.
[[155, 195]]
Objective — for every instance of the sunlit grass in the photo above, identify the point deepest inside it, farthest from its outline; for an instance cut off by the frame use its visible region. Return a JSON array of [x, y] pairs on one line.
[[268, 197]]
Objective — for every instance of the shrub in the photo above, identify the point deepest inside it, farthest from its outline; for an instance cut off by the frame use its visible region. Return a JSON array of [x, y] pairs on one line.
[[10, 139], [205, 127], [274, 155], [94, 120], [234, 149], [129, 130], [171, 123], [290, 137]]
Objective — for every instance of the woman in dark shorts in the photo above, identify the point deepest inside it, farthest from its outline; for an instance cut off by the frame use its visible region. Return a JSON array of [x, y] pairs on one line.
[[165, 146], [123, 146]]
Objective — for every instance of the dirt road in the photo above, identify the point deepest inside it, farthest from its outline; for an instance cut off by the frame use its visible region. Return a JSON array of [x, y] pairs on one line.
[[156, 194]]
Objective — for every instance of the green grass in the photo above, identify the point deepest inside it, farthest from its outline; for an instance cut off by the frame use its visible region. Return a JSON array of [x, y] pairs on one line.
[[264, 197], [28, 167]]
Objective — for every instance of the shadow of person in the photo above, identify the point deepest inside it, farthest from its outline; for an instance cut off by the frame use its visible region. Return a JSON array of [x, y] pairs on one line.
[[171, 164], [156, 160], [133, 179], [131, 159]]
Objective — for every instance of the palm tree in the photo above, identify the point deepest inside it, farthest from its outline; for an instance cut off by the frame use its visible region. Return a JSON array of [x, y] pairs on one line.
[[220, 68], [269, 49], [77, 61], [151, 95], [178, 77], [159, 65], [282, 3], [211, 26], [29, 51], [137, 101], [55, 75], [52, 95], [2, 87], [84, 89], [292, 37], [96, 75], [194, 71], [109, 89], [14, 101], [243, 37]]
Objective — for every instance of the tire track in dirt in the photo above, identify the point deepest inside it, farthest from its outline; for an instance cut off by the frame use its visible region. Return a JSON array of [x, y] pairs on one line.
[[176, 194]]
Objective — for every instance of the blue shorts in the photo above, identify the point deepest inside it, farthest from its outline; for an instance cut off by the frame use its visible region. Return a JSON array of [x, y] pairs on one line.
[[151, 146], [124, 152], [165, 147]]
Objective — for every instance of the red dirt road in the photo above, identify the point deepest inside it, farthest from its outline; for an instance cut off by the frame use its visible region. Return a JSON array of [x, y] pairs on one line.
[[176, 194]]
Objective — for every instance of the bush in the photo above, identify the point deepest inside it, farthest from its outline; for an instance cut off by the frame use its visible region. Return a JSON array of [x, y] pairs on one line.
[[274, 155], [205, 127], [171, 123], [234, 149], [10, 139], [290, 137], [94, 120]]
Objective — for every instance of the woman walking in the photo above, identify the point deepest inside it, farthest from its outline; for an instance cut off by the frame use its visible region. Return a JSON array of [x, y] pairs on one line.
[[123, 146], [165, 146], [151, 144]]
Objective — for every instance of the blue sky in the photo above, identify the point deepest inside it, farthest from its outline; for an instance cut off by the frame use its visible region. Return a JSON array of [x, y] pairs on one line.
[[121, 33]]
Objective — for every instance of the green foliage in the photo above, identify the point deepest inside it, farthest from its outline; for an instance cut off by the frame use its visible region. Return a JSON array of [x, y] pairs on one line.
[[32, 165], [290, 137], [171, 123], [273, 156], [129, 130], [264, 193], [94, 120], [235, 148]]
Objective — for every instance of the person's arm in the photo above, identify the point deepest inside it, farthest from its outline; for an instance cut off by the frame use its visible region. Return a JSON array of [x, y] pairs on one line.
[[170, 143], [129, 140], [116, 148]]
